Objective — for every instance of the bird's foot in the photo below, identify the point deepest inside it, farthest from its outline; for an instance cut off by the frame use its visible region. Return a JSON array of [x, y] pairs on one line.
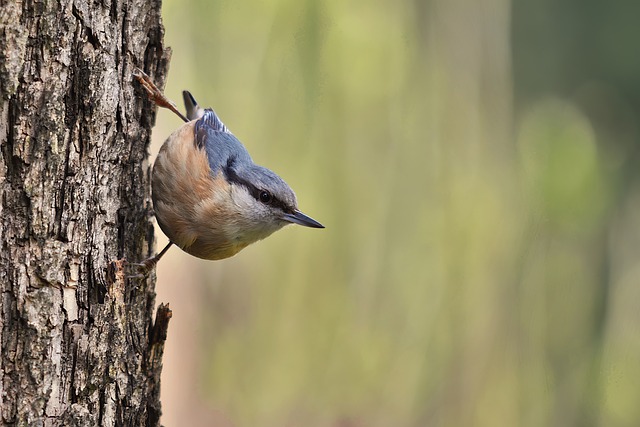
[[155, 94]]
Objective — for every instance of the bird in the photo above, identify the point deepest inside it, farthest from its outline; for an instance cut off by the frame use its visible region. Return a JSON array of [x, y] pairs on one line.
[[209, 197]]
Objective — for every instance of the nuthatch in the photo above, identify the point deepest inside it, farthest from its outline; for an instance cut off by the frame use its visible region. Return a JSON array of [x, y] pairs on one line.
[[209, 197]]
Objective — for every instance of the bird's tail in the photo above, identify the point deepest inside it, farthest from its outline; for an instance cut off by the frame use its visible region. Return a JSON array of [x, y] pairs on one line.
[[194, 111]]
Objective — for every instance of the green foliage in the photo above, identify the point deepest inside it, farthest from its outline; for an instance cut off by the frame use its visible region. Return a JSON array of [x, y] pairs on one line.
[[479, 265]]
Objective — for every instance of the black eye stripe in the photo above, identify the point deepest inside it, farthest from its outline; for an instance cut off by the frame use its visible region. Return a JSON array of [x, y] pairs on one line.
[[265, 197], [273, 200], [255, 192]]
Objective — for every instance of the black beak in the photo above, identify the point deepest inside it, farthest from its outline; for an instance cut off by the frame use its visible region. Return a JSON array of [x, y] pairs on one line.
[[298, 217]]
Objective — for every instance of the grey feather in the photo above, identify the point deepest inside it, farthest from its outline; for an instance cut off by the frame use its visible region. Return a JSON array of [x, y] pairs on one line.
[[209, 116], [258, 178], [227, 154], [219, 145]]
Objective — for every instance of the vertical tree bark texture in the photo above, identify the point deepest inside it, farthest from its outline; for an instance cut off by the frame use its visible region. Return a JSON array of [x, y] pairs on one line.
[[79, 346]]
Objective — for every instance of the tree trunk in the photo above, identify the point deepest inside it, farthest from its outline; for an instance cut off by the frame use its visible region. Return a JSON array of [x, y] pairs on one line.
[[79, 346]]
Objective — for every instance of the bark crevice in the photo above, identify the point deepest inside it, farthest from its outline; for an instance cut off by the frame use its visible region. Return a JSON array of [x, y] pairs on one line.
[[79, 343]]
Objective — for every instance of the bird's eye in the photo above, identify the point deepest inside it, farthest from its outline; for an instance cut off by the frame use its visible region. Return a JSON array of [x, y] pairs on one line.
[[265, 197]]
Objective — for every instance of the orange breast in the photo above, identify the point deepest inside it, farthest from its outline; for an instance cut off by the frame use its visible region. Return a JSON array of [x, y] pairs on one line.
[[191, 205]]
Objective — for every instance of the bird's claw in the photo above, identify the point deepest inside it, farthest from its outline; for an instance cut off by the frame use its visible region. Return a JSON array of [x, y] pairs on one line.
[[138, 270], [155, 94]]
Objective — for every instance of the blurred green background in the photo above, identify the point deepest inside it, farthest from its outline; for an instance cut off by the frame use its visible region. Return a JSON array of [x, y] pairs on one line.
[[476, 166]]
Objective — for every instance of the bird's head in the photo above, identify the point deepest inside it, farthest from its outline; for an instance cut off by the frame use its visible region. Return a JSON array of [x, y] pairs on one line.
[[263, 201]]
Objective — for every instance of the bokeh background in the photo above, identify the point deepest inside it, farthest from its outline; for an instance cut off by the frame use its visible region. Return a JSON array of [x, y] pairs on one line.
[[475, 163]]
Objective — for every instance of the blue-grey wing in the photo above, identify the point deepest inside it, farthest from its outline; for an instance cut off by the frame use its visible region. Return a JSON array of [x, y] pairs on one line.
[[227, 155], [221, 146], [212, 120]]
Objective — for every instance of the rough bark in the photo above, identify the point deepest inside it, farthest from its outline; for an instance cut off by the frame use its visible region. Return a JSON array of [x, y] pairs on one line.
[[79, 345]]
